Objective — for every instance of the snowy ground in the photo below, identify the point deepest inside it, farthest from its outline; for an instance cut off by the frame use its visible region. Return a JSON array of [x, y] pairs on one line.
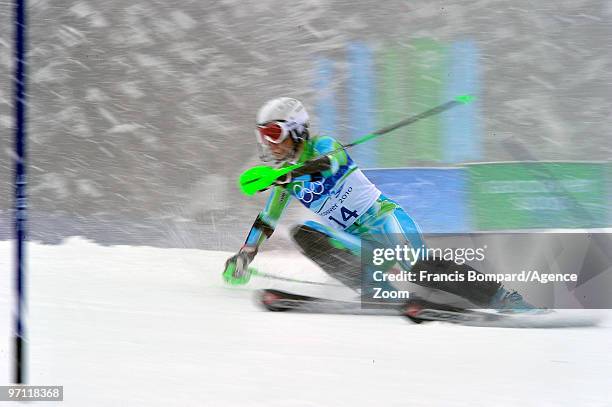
[[139, 326]]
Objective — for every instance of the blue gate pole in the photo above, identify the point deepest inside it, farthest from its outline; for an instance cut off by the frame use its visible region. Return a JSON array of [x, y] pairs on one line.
[[20, 191]]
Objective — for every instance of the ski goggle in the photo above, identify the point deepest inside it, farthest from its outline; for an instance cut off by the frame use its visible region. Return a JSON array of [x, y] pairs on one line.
[[273, 132]]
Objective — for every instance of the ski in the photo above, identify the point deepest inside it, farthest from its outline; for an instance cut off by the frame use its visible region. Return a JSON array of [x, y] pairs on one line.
[[277, 301], [419, 311]]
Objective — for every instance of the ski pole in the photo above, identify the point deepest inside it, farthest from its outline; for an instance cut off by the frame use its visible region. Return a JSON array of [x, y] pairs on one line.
[[261, 177], [255, 272]]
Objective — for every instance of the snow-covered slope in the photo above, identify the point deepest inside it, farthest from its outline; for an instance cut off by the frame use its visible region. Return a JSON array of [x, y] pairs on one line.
[[139, 326]]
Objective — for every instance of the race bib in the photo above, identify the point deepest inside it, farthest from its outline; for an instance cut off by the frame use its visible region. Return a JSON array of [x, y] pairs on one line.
[[348, 200]]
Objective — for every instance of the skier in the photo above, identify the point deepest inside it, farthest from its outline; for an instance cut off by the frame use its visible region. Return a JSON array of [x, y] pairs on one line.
[[355, 211]]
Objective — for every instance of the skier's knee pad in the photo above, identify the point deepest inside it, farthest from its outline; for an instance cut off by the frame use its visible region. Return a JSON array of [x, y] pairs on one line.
[[311, 241], [304, 234], [337, 261]]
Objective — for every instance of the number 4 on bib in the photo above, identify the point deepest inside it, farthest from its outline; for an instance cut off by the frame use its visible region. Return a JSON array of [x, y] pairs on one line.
[[346, 215]]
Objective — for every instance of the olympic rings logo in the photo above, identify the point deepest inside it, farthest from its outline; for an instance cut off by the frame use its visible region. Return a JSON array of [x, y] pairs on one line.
[[307, 194]]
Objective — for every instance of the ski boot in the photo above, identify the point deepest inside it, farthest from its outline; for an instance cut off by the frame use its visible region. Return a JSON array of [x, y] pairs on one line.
[[510, 302]]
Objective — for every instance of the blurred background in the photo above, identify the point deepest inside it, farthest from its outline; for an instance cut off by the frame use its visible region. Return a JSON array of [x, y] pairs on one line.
[[141, 114]]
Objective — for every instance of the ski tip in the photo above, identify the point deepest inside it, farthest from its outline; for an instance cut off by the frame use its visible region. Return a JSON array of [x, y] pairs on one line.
[[464, 98]]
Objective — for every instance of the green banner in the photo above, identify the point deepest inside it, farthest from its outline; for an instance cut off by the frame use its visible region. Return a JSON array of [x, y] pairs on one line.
[[411, 80], [393, 102], [427, 77], [538, 195]]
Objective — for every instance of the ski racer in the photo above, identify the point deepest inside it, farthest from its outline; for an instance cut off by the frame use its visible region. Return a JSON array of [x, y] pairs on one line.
[[353, 208]]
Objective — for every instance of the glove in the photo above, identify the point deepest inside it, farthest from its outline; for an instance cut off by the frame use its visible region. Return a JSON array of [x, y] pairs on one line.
[[283, 180], [237, 270], [280, 181]]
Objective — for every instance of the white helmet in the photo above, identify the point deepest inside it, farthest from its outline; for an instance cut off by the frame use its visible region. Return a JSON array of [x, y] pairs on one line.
[[288, 117]]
